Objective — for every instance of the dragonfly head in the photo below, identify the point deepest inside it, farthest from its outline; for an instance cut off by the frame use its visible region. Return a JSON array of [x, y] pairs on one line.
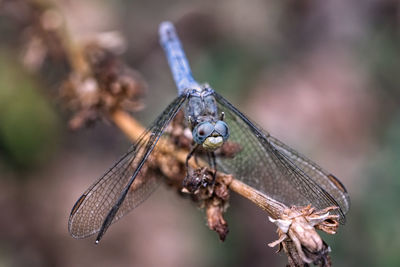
[[211, 135]]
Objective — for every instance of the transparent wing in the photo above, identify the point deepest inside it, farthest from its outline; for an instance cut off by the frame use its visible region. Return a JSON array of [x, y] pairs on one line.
[[326, 180], [117, 192], [273, 168]]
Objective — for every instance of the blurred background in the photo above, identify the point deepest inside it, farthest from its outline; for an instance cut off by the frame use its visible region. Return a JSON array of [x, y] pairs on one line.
[[322, 76]]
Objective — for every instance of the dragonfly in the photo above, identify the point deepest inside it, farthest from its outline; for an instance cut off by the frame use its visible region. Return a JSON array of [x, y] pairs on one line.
[[263, 162]]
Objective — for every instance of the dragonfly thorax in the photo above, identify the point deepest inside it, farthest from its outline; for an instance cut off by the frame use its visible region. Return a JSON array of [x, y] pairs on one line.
[[201, 106], [207, 127]]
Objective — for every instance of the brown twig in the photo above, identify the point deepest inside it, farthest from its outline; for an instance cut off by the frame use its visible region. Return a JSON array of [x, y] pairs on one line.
[[133, 130], [296, 225]]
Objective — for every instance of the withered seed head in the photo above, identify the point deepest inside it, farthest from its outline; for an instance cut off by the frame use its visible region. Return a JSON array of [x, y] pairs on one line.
[[108, 86]]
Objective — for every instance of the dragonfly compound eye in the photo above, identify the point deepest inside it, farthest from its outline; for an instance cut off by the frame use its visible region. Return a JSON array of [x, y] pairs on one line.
[[202, 131], [222, 129]]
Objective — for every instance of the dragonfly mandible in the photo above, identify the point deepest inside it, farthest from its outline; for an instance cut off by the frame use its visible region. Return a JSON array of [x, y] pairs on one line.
[[263, 161]]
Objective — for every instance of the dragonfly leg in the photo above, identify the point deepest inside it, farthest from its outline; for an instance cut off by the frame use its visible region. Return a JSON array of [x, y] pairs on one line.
[[213, 166], [196, 159], [190, 155], [190, 122], [190, 182], [222, 116]]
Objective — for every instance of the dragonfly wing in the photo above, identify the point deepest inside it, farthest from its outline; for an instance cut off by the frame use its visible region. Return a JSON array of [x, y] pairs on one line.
[[117, 192], [274, 169], [326, 180]]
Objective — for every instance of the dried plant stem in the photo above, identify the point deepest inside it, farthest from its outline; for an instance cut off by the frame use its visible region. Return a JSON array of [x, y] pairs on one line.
[[127, 124], [273, 207], [75, 55], [134, 130], [295, 225], [73, 52]]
